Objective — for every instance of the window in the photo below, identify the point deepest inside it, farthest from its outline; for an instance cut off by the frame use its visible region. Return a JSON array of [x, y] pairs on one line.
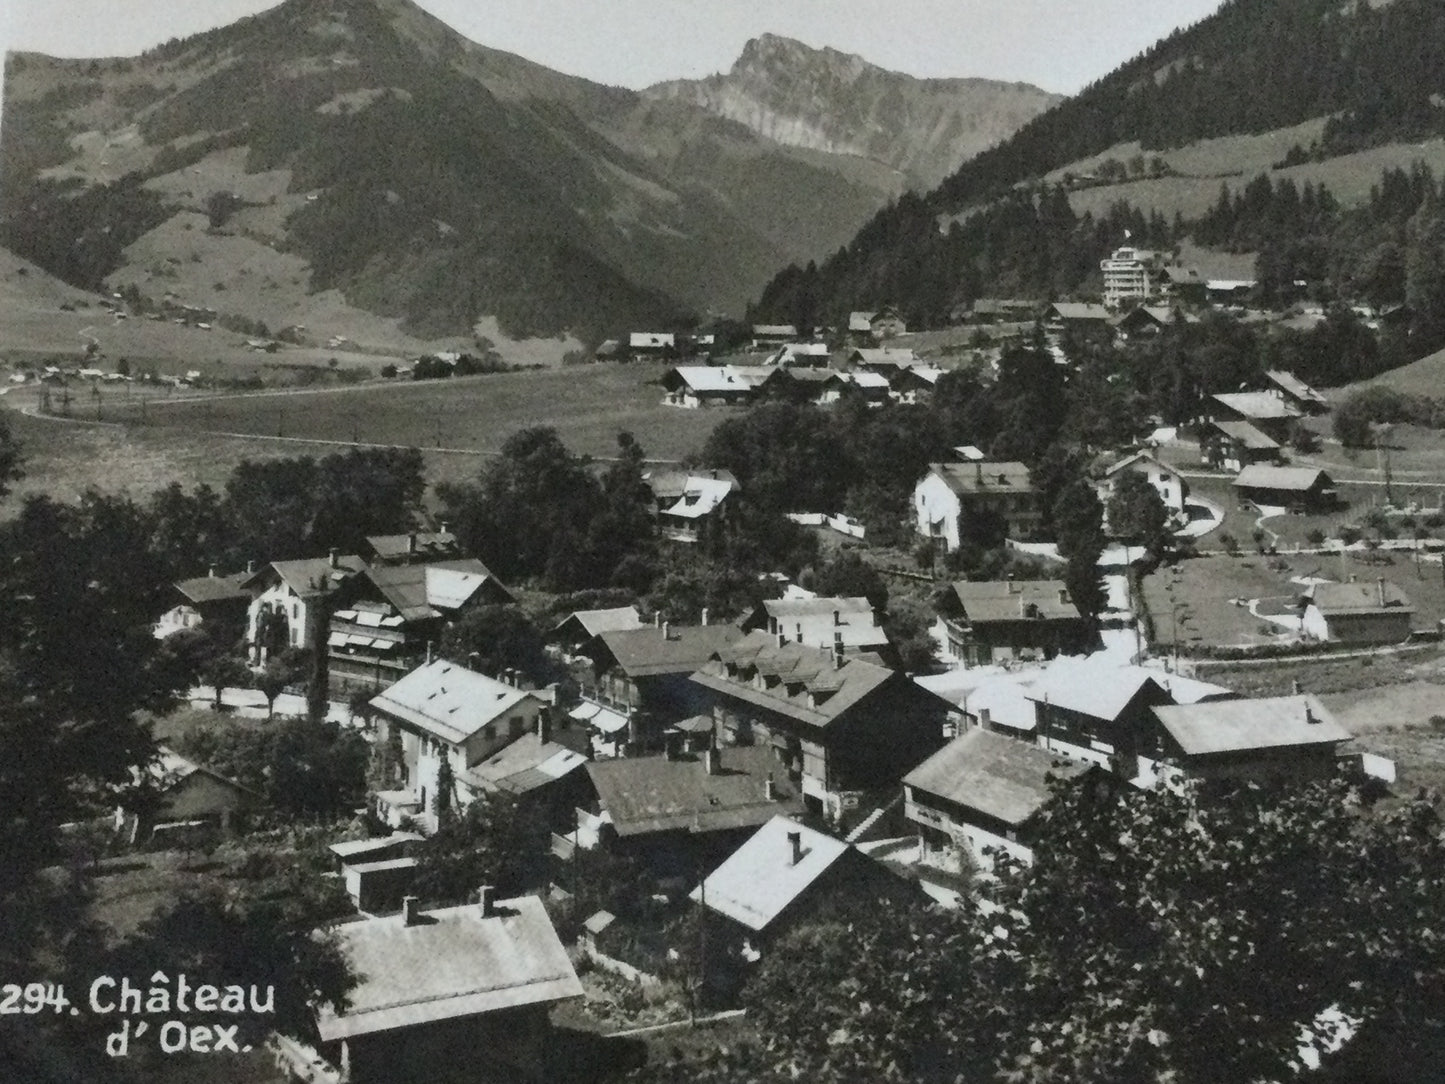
[[489, 732], [516, 725]]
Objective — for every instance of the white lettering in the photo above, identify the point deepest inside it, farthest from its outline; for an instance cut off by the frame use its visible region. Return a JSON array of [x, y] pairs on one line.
[[177, 1037], [270, 1005], [234, 1000], [206, 997], [95, 989], [200, 1038]]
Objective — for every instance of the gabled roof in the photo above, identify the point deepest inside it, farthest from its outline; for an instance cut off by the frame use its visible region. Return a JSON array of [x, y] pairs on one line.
[[169, 770], [707, 379], [1074, 310], [774, 331], [983, 477], [1076, 689], [759, 880], [651, 340], [448, 701], [204, 589], [1293, 385], [418, 592], [860, 321], [419, 545], [1257, 405], [669, 485], [701, 496], [1264, 476], [1015, 600], [594, 622], [453, 963], [524, 765], [1231, 726], [1248, 436], [352, 851], [809, 687], [679, 649], [1379, 596], [788, 609], [1138, 458], [1001, 777], [642, 795], [900, 356], [310, 576], [823, 619]]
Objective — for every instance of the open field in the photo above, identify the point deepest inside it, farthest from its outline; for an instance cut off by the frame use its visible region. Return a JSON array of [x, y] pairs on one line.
[[588, 405], [1423, 377]]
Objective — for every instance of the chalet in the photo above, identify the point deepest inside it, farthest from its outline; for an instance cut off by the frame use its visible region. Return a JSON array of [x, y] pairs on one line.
[[982, 793], [698, 506], [1228, 291], [1167, 482], [288, 601], [414, 547], [820, 386], [994, 310], [469, 985], [640, 677], [677, 809], [914, 385], [218, 602], [442, 713], [1184, 284], [887, 360], [766, 336], [1296, 392], [802, 355], [1299, 489], [883, 324], [1077, 317], [1377, 612], [1101, 722], [696, 386], [580, 626], [951, 494], [820, 622], [1267, 412], [1145, 320], [871, 387], [1264, 740], [651, 345], [187, 797], [839, 726], [990, 622], [669, 486], [1232, 446], [393, 613]]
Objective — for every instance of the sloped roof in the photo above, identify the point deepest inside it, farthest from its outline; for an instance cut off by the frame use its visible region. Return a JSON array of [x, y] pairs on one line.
[[428, 544], [810, 688], [983, 477], [203, 589], [307, 577], [448, 701], [1141, 457], [671, 484], [651, 339], [646, 652], [706, 378], [1085, 690], [759, 880], [1247, 435], [701, 496], [1257, 405], [593, 622], [774, 330], [419, 591], [352, 849], [1231, 726], [1006, 701], [790, 608], [901, 356], [1010, 600], [524, 765], [1265, 476], [1295, 386], [1378, 596], [454, 963], [1075, 310], [656, 794], [999, 776], [860, 321]]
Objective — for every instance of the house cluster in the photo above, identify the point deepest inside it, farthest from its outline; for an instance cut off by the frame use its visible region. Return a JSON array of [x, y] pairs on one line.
[[806, 372]]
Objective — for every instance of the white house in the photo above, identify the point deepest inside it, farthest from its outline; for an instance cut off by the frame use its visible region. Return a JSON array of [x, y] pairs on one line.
[[445, 712], [952, 492], [1167, 482], [284, 610]]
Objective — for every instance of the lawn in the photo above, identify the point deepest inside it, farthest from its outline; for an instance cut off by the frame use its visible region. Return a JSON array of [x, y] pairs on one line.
[[588, 405], [1195, 599]]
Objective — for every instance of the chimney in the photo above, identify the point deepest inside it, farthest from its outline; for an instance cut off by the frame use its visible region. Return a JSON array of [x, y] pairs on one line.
[[657, 620], [444, 527], [795, 845], [1064, 596], [474, 659], [1380, 585], [410, 911], [251, 566], [782, 637], [411, 544], [985, 718], [544, 726], [332, 559], [837, 618], [428, 653], [704, 616], [770, 790], [712, 759], [672, 741], [1010, 582], [667, 630], [486, 900], [837, 651], [211, 572], [1310, 716], [978, 472]]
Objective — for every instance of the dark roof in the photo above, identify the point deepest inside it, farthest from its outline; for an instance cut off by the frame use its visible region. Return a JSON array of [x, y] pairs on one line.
[[1231, 726], [1015, 600], [981, 477], [1001, 777], [1152, 462], [205, 589], [1248, 435], [307, 577], [1378, 596], [429, 544], [416, 594], [656, 794], [1292, 384], [1293, 479], [647, 652], [800, 682]]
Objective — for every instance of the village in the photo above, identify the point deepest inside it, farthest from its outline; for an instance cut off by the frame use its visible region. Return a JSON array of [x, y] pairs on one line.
[[696, 787]]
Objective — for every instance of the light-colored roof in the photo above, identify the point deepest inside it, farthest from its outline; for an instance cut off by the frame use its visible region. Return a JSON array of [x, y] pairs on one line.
[[860, 321], [759, 880], [792, 608], [312, 576], [431, 544], [710, 378], [524, 765], [901, 356], [1089, 690], [1295, 386], [1257, 405], [454, 963], [593, 622], [1075, 310], [350, 849], [866, 380], [1006, 701], [655, 794], [774, 331], [448, 701], [1230, 726], [999, 776], [1141, 458], [983, 477], [647, 651], [701, 496], [599, 717], [1248, 435], [1265, 476], [1375, 596], [1015, 600]]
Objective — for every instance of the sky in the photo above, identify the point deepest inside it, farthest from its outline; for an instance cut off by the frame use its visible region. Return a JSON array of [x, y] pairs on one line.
[[1060, 45]]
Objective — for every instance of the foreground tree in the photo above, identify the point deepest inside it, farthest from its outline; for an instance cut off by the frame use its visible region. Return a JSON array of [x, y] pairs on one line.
[[1137, 514]]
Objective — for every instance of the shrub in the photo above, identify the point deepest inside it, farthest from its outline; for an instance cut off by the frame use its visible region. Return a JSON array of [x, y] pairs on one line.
[[1229, 542], [1315, 537]]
